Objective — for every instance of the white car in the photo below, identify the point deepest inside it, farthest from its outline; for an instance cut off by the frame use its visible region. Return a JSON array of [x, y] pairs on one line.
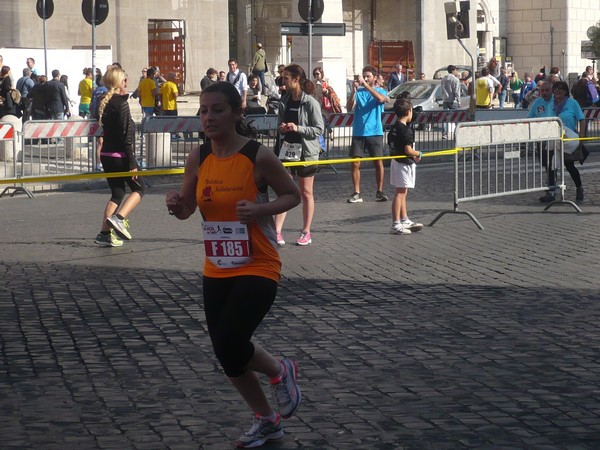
[[426, 94]]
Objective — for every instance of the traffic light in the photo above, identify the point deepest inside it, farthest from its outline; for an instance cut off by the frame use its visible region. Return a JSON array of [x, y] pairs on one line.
[[457, 19]]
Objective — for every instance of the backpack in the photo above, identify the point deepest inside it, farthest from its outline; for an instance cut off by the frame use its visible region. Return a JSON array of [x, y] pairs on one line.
[[95, 103], [591, 94], [392, 141]]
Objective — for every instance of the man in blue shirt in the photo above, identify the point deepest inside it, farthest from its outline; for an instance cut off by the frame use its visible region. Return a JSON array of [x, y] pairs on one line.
[[367, 101]]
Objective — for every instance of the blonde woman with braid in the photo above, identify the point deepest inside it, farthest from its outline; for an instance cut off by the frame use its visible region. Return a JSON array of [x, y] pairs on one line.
[[118, 155]]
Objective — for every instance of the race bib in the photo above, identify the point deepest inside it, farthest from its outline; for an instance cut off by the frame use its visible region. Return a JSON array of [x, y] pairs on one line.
[[290, 152], [227, 244]]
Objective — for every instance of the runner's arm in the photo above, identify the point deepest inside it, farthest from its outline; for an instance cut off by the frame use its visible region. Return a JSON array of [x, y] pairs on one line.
[[182, 204]]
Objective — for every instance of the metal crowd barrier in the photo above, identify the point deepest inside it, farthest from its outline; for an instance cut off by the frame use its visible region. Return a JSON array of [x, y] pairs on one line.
[[592, 118], [500, 158], [59, 147], [434, 130], [50, 148], [263, 128], [167, 140], [9, 156]]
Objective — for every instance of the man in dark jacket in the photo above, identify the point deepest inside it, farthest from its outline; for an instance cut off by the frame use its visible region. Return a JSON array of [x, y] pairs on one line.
[[56, 97], [396, 78]]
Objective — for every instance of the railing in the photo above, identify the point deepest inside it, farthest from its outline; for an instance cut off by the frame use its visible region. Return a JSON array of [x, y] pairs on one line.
[[500, 158], [46, 150]]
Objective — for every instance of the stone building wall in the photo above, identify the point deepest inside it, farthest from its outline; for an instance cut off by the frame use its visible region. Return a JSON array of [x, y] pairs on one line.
[[125, 30], [549, 33]]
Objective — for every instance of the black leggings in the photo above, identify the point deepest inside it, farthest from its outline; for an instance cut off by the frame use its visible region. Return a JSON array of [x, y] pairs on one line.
[[234, 308], [570, 166], [117, 185]]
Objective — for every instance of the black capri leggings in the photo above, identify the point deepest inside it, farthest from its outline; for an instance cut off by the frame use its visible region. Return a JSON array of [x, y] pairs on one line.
[[117, 185], [234, 308]]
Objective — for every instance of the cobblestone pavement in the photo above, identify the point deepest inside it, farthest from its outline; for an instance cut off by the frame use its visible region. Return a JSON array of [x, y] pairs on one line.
[[450, 338]]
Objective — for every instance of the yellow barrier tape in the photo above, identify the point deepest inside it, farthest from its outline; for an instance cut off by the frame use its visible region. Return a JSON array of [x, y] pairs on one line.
[[179, 171], [91, 176], [582, 139]]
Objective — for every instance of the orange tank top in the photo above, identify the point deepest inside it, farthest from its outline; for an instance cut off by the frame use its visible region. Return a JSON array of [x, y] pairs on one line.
[[222, 182]]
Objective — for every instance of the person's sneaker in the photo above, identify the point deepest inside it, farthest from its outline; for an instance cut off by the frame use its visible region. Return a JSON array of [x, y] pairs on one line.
[[98, 167], [261, 431], [548, 197], [120, 226], [280, 240], [304, 238], [412, 226], [579, 194], [444, 135], [286, 389], [108, 240], [355, 198], [399, 229], [380, 197]]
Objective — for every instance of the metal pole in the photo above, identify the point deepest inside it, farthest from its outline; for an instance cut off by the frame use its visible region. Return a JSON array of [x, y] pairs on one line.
[[94, 43], [309, 73], [45, 45], [473, 69]]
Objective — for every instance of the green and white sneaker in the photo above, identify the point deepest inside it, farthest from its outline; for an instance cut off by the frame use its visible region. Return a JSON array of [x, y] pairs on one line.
[[108, 240], [120, 226], [262, 430]]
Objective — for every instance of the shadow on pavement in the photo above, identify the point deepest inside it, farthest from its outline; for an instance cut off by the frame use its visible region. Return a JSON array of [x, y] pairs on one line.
[[106, 358]]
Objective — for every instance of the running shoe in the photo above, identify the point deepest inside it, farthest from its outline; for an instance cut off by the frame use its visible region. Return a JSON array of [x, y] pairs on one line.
[[412, 226], [108, 240], [380, 197], [355, 198], [286, 389], [280, 240], [261, 431], [399, 229], [304, 238], [120, 226], [547, 197]]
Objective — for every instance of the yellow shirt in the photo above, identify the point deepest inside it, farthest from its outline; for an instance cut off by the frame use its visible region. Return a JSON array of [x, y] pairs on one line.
[[482, 91], [169, 99], [85, 91], [146, 88]]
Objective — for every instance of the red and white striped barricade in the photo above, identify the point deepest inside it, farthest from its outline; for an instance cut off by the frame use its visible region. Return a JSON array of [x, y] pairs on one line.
[[168, 139], [7, 132], [9, 158], [58, 129], [60, 147]]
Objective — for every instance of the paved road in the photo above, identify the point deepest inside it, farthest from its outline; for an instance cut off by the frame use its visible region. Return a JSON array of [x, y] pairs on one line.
[[450, 338]]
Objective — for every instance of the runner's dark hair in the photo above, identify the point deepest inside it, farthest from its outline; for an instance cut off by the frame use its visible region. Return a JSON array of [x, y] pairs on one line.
[[234, 100], [298, 72]]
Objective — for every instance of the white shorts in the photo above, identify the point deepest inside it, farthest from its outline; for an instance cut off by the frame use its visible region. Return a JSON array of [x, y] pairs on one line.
[[403, 175]]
